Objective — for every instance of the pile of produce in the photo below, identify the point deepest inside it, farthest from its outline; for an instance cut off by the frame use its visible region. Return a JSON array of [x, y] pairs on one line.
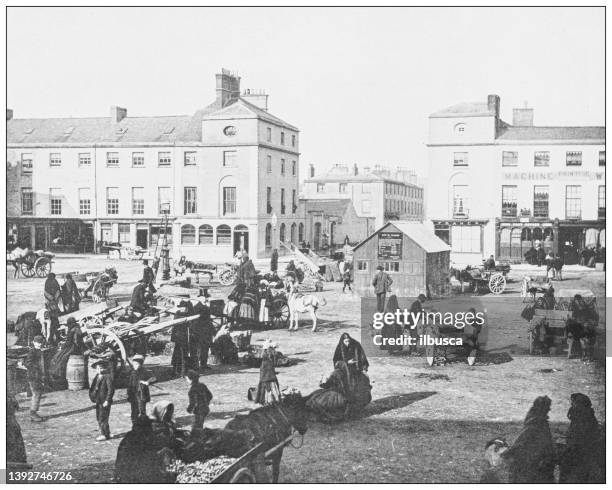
[[200, 472]]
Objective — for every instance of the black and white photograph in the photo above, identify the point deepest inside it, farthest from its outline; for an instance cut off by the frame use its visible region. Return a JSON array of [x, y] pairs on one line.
[[305, 244]]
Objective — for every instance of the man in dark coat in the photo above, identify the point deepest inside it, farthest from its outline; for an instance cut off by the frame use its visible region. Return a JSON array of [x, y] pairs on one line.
[[203, 333], [246, 271], [382, 284], [35, 364], [490, 263], [70, 295], [199, 399], [531, 256], [139, 301], [274, 260], [148, 276], [26, 328], [101, 393], [138, 387], [541, 255], [415, 308]]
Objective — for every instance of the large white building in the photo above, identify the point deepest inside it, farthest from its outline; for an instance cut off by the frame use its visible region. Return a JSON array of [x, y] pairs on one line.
[[497, 189], [227, 175], [378, 194]]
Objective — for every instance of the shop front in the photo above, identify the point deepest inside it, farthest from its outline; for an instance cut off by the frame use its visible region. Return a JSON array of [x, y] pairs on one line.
[[55, 235], [514, 238]]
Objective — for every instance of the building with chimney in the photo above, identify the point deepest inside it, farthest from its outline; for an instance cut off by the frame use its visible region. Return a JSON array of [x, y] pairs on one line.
[[496, 188], [226, 177], [377, 195]]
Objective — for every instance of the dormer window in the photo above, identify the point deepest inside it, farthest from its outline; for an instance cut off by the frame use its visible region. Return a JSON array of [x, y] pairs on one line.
[[460, 129]]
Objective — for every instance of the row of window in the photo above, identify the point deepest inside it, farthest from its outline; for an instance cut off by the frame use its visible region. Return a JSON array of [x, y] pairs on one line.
[[282, 137], [540, 158], [362, 266], [296, 234], [573, 201], [206, 235], [401, 206], [164, 159], [283, 207], [190, 202], [403, 190], [283, 166]]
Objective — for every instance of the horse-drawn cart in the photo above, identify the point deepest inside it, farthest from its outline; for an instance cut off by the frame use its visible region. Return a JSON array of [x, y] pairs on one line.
[[30, 263], [223, 273], [481, 278]]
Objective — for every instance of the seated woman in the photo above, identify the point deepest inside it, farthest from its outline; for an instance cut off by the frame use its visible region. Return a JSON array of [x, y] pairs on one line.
[[350, 351], [330, 403], [164, 427]]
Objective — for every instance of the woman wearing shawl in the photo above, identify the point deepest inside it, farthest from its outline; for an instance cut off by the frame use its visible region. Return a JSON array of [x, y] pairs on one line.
[[331, 402], [246, 271], [163, 425], [391, 331], [351, 352], [268, 391], [74, 345]]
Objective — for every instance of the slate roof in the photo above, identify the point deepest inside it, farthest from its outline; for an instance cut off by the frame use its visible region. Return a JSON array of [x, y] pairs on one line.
[[465, 109], [329, 207], [100, 130], [417, 232], [552, 133], [364, 178]]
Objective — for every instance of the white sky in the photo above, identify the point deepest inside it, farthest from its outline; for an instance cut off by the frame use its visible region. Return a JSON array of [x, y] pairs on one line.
[[358, 82]]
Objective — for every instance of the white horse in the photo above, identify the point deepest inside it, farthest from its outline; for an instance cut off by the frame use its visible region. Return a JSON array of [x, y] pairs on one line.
[[307, 303]]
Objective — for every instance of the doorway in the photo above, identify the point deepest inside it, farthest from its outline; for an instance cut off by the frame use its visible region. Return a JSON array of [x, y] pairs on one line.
[[241, 239], [142, 238], [40, 238], [317, 236]]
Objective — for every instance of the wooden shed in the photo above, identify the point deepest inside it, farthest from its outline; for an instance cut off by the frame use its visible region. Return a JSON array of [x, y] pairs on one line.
[[415, 258]]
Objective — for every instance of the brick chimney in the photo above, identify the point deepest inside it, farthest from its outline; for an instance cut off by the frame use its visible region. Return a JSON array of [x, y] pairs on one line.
[[493, 104], [311, 171], [355, 169], [9, 114], [117, 114], [228, 87], [256, 97], [522, 116]]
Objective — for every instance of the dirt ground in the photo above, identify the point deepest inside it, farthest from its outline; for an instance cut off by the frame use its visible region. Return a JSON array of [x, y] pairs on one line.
[[425, 424]]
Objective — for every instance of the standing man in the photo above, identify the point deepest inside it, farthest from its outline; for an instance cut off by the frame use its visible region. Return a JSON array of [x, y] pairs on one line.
[[35, 364], [101, 393], [138, 387], [204, 333], [346, 276], [148, 276], [382, 285], [274, 260]]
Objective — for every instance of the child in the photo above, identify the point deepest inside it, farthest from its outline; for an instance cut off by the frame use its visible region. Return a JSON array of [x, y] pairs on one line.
[[199, 398], [138, 387], [101, 393], [35, 364]]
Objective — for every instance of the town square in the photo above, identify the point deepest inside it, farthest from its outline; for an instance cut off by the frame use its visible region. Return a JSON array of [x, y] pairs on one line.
[[352, 276]]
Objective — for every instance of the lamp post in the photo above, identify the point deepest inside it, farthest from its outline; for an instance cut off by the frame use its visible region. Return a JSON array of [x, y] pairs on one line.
[[165, 251], [274, 223]]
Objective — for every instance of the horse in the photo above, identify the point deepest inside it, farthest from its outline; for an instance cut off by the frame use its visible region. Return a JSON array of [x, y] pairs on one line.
[[301, 304], [270, 424]]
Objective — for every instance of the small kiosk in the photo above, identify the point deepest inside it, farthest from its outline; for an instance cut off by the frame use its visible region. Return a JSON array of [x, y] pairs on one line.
[[415, 258]]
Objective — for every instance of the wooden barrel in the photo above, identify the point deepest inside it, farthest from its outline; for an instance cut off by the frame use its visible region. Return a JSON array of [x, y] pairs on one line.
[[75, 373]]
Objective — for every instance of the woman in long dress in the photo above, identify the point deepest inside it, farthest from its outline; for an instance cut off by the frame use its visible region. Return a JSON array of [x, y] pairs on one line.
[[391, 331], [330, 403], [352, 354], [268, 391]]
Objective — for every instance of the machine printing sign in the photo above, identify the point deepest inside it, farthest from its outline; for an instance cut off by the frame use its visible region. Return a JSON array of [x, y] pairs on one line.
[[559, 175], [390, 245]]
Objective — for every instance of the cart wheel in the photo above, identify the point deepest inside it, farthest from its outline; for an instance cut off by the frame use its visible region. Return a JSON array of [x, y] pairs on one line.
[[99, 335], [42, 267], [90, 322], [497, 283], [227, 277], [27, 269], [471, 359], [279, 314], [243, 475]]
